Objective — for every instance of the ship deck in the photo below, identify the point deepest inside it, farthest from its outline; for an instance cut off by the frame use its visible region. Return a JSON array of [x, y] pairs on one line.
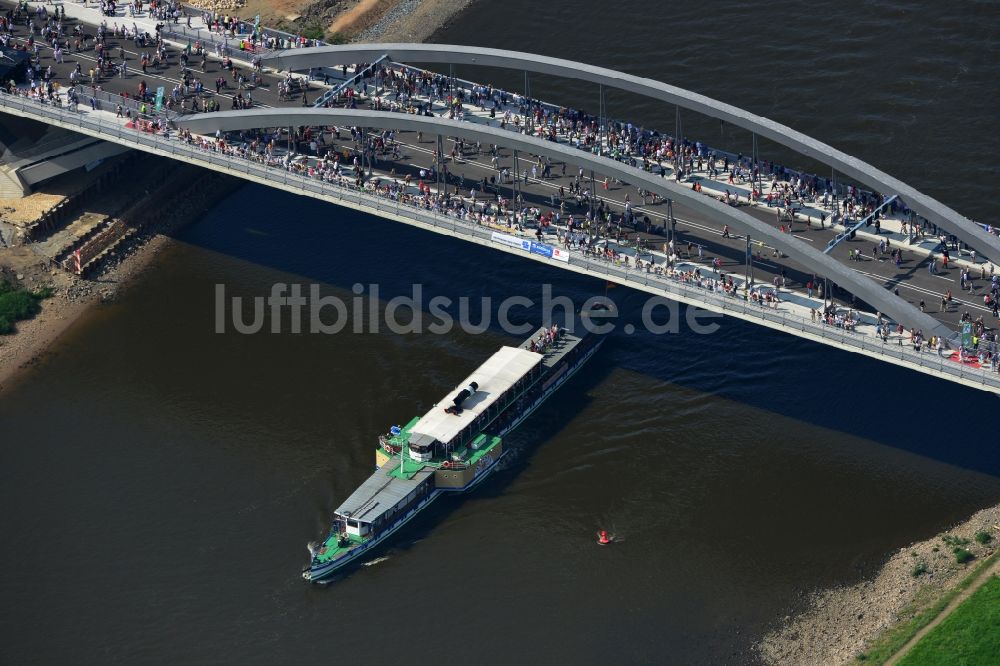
[[564, 344], [330, 550], [383, 490]]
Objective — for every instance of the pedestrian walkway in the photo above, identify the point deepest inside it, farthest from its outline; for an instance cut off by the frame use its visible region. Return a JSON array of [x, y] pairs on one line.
[[835, 326], [483, 104]]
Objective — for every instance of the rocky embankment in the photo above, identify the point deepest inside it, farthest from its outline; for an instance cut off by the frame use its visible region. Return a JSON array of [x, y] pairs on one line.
[[413, 20], [838, 624]]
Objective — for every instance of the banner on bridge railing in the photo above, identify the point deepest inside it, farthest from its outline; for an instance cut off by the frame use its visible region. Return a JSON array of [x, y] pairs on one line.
[[531, 246]]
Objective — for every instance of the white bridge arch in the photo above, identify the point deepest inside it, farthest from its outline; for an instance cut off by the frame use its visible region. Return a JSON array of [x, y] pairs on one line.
[[862, 287], [933, 210]]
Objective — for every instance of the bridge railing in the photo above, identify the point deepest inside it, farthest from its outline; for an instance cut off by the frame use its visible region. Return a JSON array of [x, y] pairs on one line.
[[108, 101], [690, 291]]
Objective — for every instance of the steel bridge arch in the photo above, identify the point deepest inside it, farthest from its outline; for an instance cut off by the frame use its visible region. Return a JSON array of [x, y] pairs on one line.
[[869, 291], [933, 210]]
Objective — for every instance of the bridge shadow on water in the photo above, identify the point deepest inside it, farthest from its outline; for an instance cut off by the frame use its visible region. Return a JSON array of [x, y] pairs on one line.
[[749, 364]]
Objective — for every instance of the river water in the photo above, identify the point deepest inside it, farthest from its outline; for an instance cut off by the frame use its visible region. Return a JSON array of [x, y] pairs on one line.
[[159, 481]]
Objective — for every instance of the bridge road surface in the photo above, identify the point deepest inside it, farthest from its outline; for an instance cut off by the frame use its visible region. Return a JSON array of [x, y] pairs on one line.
[[911, 278]]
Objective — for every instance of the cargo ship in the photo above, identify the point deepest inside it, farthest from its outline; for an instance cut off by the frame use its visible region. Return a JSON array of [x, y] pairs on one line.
[[454, 446]]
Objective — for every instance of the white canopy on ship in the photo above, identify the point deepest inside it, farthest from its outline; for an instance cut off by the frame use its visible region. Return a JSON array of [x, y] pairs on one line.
[[500, 372]]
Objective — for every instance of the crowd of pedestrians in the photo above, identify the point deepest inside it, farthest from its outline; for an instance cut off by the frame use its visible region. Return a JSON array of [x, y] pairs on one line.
[[414, 91]]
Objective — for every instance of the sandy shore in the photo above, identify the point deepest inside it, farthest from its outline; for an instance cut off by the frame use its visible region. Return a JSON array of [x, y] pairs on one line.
[[33, 337], [75, 296], [838, 624]]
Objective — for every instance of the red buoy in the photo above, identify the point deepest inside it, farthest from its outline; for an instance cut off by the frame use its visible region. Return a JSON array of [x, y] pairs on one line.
[[603, 538]]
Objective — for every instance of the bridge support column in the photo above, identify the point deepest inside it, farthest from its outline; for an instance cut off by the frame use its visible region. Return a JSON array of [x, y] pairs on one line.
[[672, 221], [836, 198], [593, 198], [515, 190], [756, 176], [678, 159], [439, 164], [529, 117], [600, 120]]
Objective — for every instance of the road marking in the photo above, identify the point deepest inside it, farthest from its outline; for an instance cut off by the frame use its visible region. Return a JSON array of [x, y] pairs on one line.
[[923, 290]]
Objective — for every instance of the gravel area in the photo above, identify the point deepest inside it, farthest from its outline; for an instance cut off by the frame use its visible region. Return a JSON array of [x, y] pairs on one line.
[[394, 15], [837, 624], [413, 20]]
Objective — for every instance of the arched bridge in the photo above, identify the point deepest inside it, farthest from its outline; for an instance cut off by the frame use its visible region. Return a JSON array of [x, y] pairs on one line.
[[104, 125], [934, 211], [861, 286]]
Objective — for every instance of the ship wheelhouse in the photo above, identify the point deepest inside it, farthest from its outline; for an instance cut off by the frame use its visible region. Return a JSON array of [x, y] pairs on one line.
[[423, 448]]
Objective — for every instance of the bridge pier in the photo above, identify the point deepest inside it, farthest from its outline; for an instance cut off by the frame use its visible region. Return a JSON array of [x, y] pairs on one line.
[[31, 153]]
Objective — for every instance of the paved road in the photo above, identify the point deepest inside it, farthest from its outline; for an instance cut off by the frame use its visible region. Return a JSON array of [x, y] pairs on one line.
[[911, 278]]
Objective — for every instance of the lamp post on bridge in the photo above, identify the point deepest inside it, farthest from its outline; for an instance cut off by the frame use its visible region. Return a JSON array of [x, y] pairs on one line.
[[593, 196], [516, 187], [672, 221], [749, 264], [439, 164]]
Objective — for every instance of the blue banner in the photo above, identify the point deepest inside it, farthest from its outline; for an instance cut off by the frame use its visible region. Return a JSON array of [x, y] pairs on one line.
[[542, 249], [547, 251]]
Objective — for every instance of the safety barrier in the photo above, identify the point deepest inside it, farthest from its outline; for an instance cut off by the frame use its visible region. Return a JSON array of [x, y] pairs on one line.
[[347, 194]]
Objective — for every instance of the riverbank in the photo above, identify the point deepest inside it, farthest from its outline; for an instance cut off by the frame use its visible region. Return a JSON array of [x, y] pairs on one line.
[[74, 296], [843, 625], [399, 21], [413, 20], [348, 20]]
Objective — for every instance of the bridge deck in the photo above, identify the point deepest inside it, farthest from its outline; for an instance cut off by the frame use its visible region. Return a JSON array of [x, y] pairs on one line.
[[914, 283]]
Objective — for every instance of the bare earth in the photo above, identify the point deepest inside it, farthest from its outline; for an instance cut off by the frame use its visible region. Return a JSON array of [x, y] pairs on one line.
[[358, 20], [20, 212], [839, 623], [416, 21]]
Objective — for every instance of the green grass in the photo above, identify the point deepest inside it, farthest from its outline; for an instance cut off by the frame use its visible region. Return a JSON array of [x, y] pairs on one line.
[[17, 304], [983, 537], [970, 635], [916, 616], [962, 555]]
